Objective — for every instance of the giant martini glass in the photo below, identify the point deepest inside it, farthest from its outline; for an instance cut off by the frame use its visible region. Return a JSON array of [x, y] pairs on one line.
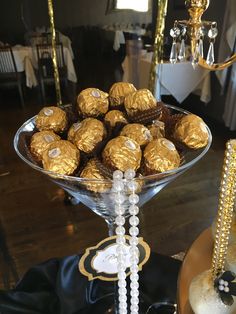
[[102, 203]]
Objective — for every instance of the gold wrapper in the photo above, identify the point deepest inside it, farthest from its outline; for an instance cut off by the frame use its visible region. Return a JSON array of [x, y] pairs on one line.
[[91, 171], [160, 155], [40, 141], [61, 157], [89, 135], [137, 132], [157, 129], [122, 153], [72, 131], [139, 101], [51, 119], [191, 131], [92, 102], [119, 91], [115, 116]]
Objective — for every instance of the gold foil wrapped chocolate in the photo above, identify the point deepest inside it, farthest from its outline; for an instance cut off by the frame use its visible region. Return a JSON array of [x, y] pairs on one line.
[[51, 119], [137, 132], [92, 102], [40, 141], [122, 153], [139, 101], [157, 129], [115, 116], [72, 131], [90, 133], [119, 91], [191, 131], [61, 157], [91, 172], [160, 155]]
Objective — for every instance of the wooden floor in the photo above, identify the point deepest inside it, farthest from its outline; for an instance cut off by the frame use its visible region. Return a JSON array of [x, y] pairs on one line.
[[38, 225]]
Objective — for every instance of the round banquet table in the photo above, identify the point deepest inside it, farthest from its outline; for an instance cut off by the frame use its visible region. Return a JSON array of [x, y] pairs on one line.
[[56, 286]]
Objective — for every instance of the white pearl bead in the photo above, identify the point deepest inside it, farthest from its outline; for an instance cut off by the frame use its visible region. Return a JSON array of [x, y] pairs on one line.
[[133, 241], [133, 210], [221, 282], [134, 293], [120, 240], [129, 174], [226, 283], [119, 210], [120, 250], [118, 186], [122, 284], [121, 275], [226, 289], [117, 174], [134, 250], [134, 268], [119, 198], [133, 231], [221, 288], [134, 259], [120, 220], [134, 300], [123, 299], [120, 230], [134, 276], [134, 285], [134, 221], [134, 308], [133, 198], [132, 186]]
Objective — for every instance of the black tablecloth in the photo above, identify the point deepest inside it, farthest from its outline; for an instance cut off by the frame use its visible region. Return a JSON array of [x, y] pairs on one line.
[[56, 286]]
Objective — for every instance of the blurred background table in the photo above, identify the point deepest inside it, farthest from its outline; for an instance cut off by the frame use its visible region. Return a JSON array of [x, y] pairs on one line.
[[178, 80]]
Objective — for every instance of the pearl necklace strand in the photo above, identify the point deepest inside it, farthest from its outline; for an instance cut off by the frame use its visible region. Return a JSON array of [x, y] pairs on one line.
[[119, 198]]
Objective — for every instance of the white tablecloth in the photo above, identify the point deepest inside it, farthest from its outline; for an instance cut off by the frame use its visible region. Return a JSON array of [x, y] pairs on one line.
[[178, 80], [25, 57]]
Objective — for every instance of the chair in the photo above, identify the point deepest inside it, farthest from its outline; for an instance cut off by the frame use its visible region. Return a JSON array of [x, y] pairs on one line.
[[8, 72], [45, 67]]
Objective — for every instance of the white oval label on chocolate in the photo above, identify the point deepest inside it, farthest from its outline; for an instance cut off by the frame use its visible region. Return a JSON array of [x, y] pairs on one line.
[[95, 93], [48, 138], [129, 144], [77, 126], [48, 112], [54, 153], [168, 144], [147, 135]]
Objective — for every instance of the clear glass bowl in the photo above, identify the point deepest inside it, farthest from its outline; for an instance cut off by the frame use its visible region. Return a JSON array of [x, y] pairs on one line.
[[102, 202]]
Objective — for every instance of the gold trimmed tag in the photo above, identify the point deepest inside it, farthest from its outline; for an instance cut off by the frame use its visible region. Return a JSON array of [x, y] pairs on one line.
[[100, 261]]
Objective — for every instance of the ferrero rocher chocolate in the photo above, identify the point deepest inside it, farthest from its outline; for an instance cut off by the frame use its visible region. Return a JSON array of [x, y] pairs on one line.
[[40, 141], [122, 153], [90, 133], [92, 102], [157, 129], [92, 172], [115, 116], [191, 131], [51, 118], [119, 91], [137, 132], [61, 157], [160, 155], [73, 129], [139, 101]]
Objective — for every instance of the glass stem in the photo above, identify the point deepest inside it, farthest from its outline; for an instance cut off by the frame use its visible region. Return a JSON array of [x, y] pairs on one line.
[[111, 227]]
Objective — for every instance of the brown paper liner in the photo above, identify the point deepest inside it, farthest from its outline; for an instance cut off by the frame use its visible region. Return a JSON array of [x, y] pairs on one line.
[[147, 116], [165, 112]]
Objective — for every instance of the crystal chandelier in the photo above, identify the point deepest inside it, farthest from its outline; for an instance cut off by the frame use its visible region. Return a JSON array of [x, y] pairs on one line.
[[196, 30]]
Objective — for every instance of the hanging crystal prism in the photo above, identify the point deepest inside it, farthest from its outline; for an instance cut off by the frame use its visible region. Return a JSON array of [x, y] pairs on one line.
[[210, 56], [195, 58], [173, 53], [181, 55], [200, 48]]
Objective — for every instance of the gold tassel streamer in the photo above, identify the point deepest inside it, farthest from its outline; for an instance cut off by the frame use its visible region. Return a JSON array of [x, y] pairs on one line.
[[225, 210], [158, 43], [54, 54]]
